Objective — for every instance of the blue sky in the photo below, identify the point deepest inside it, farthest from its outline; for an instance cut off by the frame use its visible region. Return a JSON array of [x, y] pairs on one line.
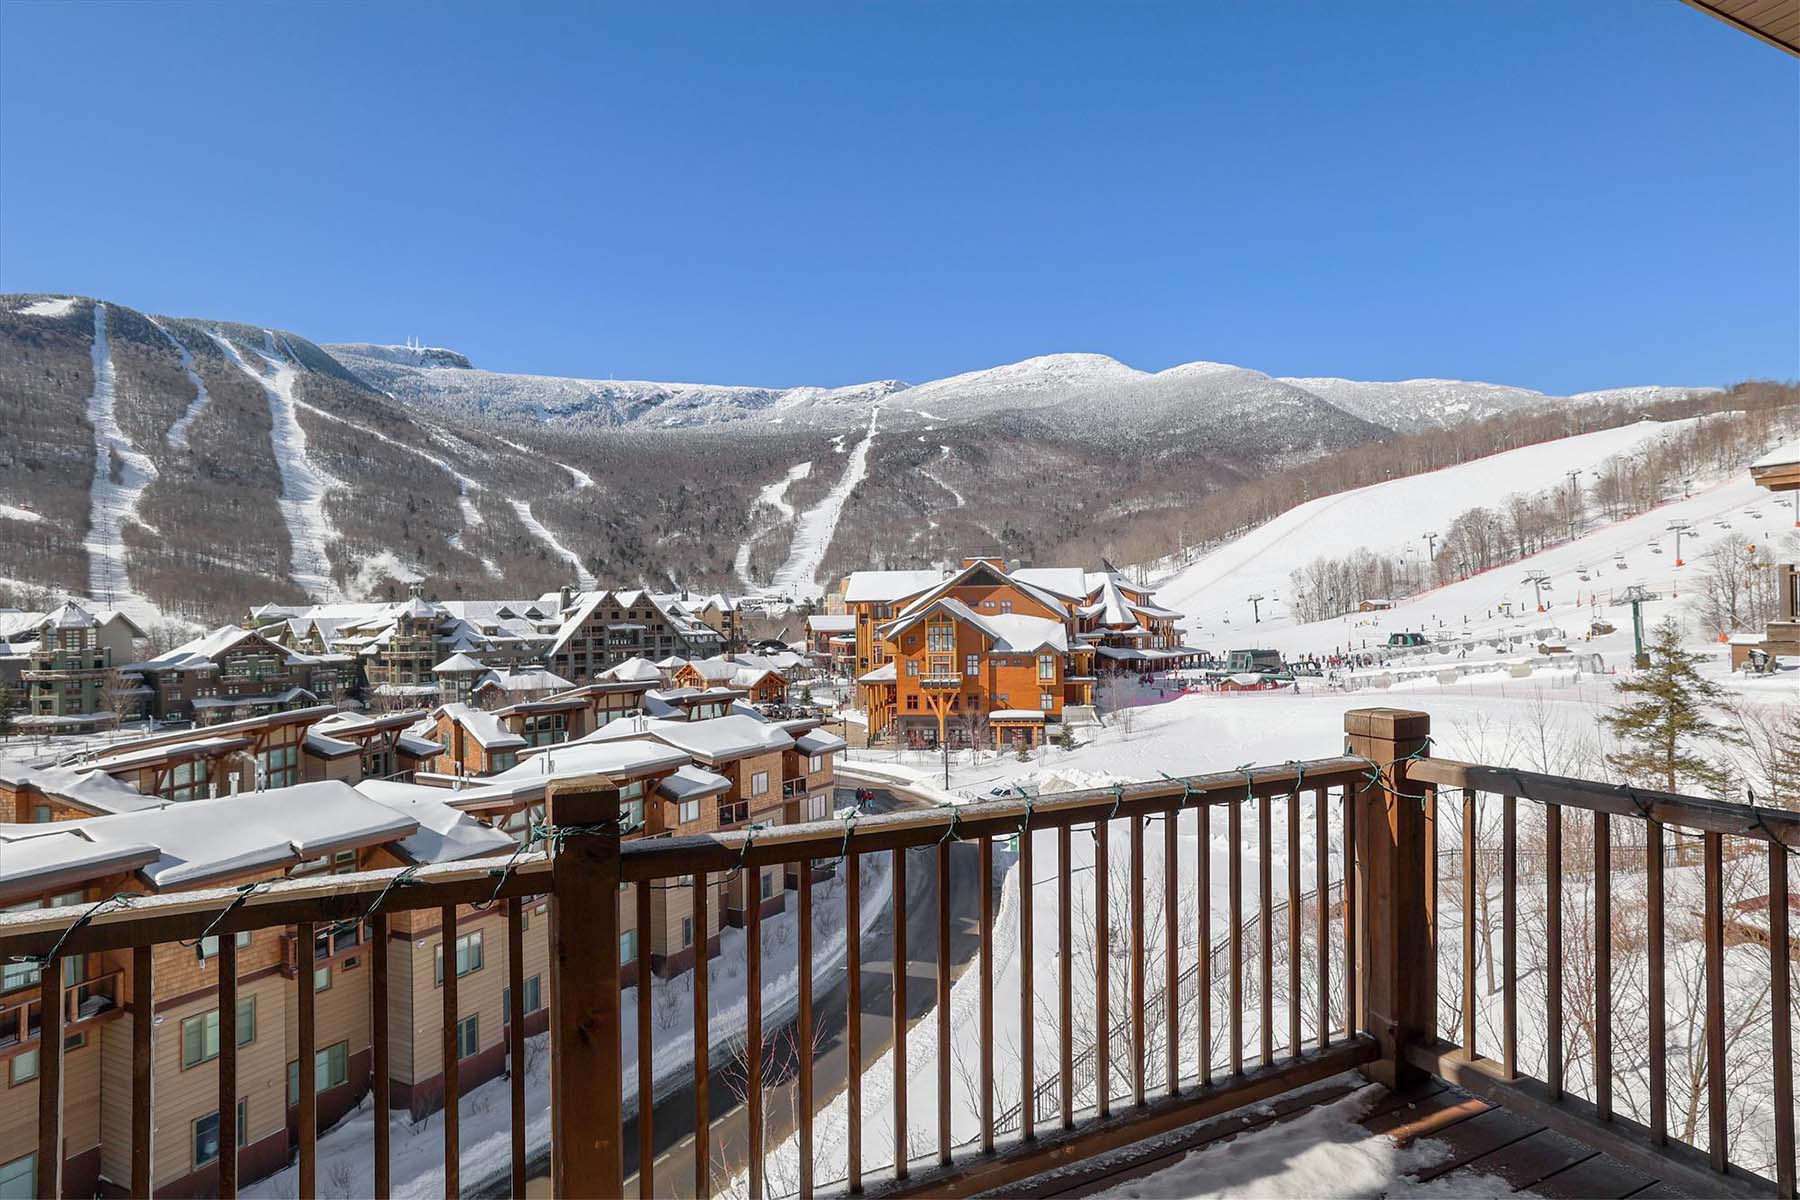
[[1563, 196]]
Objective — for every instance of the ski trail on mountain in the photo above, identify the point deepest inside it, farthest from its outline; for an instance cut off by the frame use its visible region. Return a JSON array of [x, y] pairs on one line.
[[465, 485], [817, 525], [177, 436], [303, 486], [931, 474], [583, 578], [775, 496], [112, 503]]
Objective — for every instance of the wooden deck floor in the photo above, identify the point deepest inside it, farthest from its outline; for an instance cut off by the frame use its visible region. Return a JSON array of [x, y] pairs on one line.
[[1512, 1153]]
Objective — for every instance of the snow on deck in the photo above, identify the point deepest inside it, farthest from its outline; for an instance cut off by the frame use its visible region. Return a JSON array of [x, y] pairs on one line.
[[816, 527], [303, 486], [111, 504], [583, 577]]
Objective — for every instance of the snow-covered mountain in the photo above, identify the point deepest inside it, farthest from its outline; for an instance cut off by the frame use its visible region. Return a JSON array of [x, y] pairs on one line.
[[1411, 405]]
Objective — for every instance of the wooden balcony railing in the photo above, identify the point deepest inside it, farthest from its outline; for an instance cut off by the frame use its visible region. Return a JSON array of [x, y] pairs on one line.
[[1371, 816]]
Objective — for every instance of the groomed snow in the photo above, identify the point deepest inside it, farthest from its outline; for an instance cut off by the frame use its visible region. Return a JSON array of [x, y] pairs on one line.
[[583, 577], [303, 486], [773, 495], [112, 503], [178, 432], [797, 577], [60, 306]]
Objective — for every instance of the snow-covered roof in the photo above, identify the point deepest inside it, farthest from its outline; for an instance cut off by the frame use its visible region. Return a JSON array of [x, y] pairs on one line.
[[714, 670], [618, 758], [883, 674], [445, 834], [531, 679], [720, 739], [670, 663], [819, 741], [63, 858], [691, 783], [634, 670], [415, 745], [483, 726], [1071, 583], [71, 616], [459, 664], [168, 751], [1011, 633], [326, 746], [879, 587], [1781, 456], [84, 787], [203, 839], [1015, 714], [832, 623]]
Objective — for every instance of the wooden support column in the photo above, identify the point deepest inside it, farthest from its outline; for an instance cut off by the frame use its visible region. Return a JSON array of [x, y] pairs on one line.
[[587, 1156], [1396, 951]]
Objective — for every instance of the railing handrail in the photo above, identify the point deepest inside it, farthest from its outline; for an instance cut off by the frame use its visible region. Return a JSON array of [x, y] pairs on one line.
[[1621, 800], [669, 857]]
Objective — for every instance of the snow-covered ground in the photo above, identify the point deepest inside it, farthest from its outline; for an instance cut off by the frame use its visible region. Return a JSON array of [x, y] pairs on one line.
[[931, 473], [56, 306], [1394, 516], [303, 485], [14, 513], [797, 577], [177, 436], [112, 502]]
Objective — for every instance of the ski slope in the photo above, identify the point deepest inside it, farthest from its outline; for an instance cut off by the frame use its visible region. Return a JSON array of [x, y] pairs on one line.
[[774, 496], [1500, 602], [111, 503], [1390, 517], [583, 577], [303, 486], [798, 576], [177, 436]]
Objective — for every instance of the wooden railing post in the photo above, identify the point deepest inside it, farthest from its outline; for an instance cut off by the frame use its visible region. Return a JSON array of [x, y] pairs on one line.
[[1396, 952], [586, 1151]]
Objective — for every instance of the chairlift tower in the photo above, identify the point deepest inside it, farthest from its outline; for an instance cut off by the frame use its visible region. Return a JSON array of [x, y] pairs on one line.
[[1635, 595], [1537, 580], [1256, 608], [1678, 528]]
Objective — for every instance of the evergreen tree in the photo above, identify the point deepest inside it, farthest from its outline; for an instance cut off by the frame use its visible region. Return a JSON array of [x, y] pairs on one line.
[[1784, 762], [9, 709], [1663, 723]]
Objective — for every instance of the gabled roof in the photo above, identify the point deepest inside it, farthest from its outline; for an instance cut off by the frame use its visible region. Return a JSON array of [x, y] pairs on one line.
[[981, 567], [634, 669], [720, 739], [483, 726], [1010, 633], [445, 834], [459, 664]]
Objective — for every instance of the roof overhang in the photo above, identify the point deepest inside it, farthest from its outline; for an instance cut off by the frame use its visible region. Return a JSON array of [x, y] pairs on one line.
[[1775, 22]]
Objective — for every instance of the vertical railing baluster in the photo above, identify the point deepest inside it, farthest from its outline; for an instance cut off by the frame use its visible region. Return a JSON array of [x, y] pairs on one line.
[[308, 1050], [1293, 915], [228, 1064], [853, 1009], [943, 1001], [1469, 817], [1351, 898], [1203, 888], [702, 1031], [1322, 919], [50, 1080], [1137, 960], [1234, 885], [143, 1058], [1716, 1147], [986, 893], [753, 1030], [646, 1075], [1265, 894], [1171, 954], [804, 1054], [1782, 1018], [1657, 971], [1102, 972], [1553, 972], [1065, 981], [515, 1034], [1603, 982], [452, 1058], [382, 1064], [1509, 936], [899, 939], [1027, 1033]]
